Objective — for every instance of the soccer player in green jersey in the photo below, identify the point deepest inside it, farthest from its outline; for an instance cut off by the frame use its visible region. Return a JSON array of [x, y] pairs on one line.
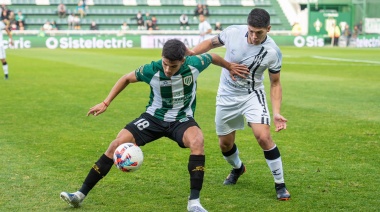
[[170, 111]]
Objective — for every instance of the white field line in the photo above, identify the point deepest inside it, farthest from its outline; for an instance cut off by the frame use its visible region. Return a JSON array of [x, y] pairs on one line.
[[346, 60]]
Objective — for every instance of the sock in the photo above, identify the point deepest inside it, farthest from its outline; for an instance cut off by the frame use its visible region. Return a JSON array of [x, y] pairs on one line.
[[5, 69], [196, 168], [274, 162], [232, 157], [99, 170]]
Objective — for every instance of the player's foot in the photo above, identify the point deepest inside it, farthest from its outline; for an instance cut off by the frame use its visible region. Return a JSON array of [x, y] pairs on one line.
[[73, 199], [6, 76], [194, 205], [234, 175], [282, 193]]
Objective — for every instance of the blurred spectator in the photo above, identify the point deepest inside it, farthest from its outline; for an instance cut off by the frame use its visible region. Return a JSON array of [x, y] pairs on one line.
[[154, 23], [61, 10], [204, 27], [360, 27], [147, 18], [184, 21], [4, 17], [94, 26], [54, 26], [206, 11], [70, 21], [76, 22], [347, 34], [47, 26], [139, 19], [334, 34], [11, 16], [355, 33], [20, 18], [124, 27], [198, 10], [81, 9], [296, 29], [21, 26], [218, 27], [13, 26]]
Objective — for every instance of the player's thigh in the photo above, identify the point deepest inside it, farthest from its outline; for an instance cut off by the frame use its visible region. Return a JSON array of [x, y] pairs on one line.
[[228, 115], [186, 132], [2, 53], [146, 129], [256, 109]]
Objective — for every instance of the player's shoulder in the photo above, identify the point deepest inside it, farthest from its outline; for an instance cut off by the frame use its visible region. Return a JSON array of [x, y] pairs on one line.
[[236, 28], [271, 45]]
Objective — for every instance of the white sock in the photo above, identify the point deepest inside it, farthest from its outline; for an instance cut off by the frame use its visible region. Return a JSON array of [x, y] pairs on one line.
[[5, 69], [234, 160], [276, 168]]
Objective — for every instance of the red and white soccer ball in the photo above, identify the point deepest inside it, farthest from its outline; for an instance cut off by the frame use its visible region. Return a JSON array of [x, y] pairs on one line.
[[128, 157]]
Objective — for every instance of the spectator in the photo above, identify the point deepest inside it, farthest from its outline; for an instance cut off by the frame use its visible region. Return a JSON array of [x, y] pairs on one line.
[[154, 23], [124, 27], [76, 22], [94, 26], [81, 9], [21, 26], [61, 10], [71, 22], [347, 34], [334, 34], [355, 33], [147, 18], [296, 29], [206, 11], [140, 21], [198, 10], [184, 21], [20, 18], [47, 26], [204, 27], [54, 26], [5, 17], [360, 26], [13, 26], [218, 27]]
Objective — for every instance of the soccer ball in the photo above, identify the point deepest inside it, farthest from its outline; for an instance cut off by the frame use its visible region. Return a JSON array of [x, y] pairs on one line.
[[128, 157]]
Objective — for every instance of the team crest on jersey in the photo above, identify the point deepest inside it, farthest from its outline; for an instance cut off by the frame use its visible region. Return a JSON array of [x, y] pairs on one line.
[[187, 80], [165, 83]]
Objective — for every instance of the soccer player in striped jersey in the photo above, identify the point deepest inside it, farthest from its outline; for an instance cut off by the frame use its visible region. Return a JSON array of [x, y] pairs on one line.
[[245, 98], [169, 113]]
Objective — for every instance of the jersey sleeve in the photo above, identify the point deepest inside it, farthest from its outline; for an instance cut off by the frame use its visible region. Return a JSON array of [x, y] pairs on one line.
[[200, 62], [145, 72], [275, 61], [225, 34]]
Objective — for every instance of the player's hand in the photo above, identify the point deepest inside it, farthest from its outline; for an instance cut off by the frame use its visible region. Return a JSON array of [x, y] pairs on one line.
[[97, 109], [189, 52], [279, 122], [238, 70]]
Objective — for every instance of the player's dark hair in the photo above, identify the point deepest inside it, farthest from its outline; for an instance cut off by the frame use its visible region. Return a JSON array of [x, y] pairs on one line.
[[174, 50], [258, 18]]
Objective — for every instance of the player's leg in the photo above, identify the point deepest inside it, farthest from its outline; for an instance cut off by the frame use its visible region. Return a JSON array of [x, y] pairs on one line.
[[4, 62], [228, 119], [99, 170], [189, 135]]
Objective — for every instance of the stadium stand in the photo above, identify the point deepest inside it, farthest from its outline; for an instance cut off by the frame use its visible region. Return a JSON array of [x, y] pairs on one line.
[[110, 14]]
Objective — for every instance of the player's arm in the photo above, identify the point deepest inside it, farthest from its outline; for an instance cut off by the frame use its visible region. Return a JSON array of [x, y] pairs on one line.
[[234, 68], [276, 98], [9, 35], [205, 46], [119, 86]]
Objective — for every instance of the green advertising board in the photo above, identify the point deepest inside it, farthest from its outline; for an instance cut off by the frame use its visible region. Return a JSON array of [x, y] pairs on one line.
[[320, 21]]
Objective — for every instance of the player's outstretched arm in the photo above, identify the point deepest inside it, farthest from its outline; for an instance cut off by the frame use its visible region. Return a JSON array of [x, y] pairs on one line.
[[119, 86], [276, 98], [204, 46], [234, 68]]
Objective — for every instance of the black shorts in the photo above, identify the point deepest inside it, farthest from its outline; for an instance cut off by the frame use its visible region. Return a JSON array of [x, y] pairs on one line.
[[148, 128]]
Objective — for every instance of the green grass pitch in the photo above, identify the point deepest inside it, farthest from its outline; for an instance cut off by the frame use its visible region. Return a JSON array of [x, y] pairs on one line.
[[330, 150]]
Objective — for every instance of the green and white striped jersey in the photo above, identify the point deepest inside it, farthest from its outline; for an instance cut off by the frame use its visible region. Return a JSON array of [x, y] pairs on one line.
[[173, 98]]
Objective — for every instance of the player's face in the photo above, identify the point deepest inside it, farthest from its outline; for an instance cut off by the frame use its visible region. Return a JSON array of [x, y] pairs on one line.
[[257, 35], [171, 67]]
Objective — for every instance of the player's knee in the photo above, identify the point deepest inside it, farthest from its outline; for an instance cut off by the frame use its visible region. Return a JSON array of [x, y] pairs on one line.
[[264, 140], [197, 146]]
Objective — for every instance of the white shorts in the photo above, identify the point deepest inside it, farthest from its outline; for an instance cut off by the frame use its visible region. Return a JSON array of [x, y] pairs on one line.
[[2, 52], [231, 111]]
